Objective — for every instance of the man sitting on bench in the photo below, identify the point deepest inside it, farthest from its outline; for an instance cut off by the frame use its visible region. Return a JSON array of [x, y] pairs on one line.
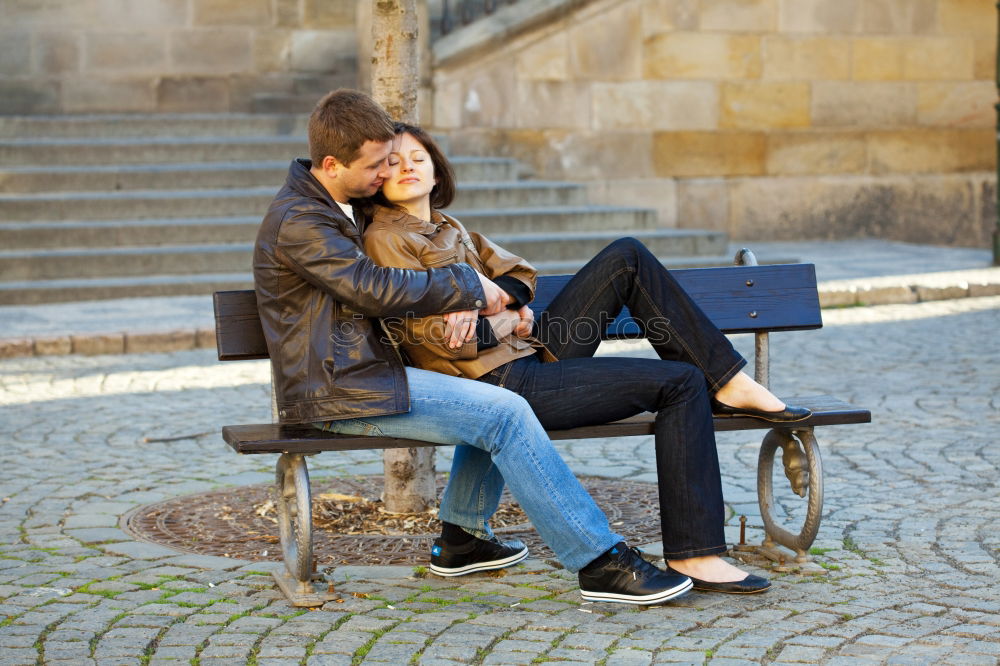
[[319, 298], [550, 363]]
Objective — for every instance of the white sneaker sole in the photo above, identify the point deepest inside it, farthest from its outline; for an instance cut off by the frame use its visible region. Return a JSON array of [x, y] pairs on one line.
[[646, 600], [481, 566]]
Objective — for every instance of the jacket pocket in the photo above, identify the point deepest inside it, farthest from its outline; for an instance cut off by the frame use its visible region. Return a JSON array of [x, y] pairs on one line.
[[435, 259]]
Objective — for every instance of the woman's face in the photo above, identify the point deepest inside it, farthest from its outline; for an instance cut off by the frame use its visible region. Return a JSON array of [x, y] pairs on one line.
[[411, 172]]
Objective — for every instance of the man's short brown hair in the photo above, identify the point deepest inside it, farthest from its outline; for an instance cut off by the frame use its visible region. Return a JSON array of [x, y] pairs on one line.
[[341, 123]]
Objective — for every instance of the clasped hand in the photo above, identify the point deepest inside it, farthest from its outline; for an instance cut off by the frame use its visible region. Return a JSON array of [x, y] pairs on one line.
[[460, 326]]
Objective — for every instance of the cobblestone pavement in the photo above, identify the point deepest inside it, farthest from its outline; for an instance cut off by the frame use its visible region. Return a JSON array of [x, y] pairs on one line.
[[910, 539]]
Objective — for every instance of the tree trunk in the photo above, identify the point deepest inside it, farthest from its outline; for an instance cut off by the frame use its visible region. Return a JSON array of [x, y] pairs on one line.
[[409, 473]]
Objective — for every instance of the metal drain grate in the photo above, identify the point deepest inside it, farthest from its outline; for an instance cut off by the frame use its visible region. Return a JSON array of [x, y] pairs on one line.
[[229, 523]]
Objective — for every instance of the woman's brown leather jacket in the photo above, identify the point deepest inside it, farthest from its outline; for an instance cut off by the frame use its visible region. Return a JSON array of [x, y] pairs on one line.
[[318, 296], [396, 238]]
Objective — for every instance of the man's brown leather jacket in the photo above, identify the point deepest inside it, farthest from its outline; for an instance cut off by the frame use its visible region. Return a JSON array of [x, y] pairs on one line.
[[318, 296]]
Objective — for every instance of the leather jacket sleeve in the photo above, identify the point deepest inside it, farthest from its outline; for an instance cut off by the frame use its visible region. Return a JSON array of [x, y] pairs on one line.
[[317, 250], [388, 248]]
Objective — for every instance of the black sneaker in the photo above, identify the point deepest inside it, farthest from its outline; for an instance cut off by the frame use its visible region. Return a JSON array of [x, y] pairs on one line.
[[476, 555], [628, 579]]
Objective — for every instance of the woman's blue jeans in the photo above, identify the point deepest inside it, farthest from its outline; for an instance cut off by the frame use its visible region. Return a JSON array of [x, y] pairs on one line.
[[578, 390], [497, 438]]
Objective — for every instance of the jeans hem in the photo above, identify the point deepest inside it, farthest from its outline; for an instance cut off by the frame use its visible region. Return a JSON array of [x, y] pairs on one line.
[[695, 552]]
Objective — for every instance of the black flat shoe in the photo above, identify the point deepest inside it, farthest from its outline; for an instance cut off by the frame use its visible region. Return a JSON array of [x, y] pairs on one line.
[[749, 585], [789, 414]]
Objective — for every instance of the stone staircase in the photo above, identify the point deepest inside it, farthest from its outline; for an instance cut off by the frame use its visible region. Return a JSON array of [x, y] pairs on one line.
[[101, 207]]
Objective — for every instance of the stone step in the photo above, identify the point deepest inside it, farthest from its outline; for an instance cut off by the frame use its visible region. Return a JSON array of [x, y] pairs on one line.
[[549, 224], [84, 289], [181, 259], [151, 150], [147, 286], [118, 262], [147, 204], [37, 179], [577, 247], [149, 125]]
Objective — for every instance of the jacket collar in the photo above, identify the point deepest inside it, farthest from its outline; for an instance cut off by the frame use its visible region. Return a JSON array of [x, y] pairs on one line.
[[403, 219], [301, 181]]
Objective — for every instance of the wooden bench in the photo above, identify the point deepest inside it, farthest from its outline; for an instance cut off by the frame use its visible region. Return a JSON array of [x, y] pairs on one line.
[[745, 298]]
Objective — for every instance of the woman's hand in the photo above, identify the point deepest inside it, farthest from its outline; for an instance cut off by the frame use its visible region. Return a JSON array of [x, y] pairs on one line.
[[525, 327], [460, 327]]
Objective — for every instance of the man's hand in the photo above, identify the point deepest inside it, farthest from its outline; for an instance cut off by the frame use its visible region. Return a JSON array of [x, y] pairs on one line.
[[497, 299], [527, 324], [460, 326]]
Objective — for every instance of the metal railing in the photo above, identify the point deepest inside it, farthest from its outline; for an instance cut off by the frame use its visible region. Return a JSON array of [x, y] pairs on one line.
[[463, 12]]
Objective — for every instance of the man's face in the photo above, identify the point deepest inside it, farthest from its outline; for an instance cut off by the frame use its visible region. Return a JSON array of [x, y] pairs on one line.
[[365, 174]]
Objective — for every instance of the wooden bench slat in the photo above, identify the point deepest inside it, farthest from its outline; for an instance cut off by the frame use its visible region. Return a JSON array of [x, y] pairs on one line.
[[275, 438], [782, 298]]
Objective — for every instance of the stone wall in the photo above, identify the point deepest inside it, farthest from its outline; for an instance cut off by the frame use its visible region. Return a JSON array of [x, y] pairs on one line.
[[763, 118], [83, 56]]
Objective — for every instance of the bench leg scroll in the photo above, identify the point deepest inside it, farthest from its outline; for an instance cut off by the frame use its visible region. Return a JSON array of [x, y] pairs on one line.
[[293, 498], [804, 471]]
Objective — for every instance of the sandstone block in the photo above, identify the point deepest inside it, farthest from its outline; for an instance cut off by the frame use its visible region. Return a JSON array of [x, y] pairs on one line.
[[157, 14], [802, 153], [667, 15], [942, 58], [957, 104], [863, 104], [233, 12], [739, 15], [941, 292], [546, 60], [546, 104], [53, 346], [703, 204], [91, 345], [606, 46], [837, 297], [190, 94], [695, 55], [932, 150], [819, 16], [272, 50], [447, 103], [320, 50], [487, 96], [16, 348], [984, 51], [673, 105], [57, 52], [977, 290], [871, 295], [125, 51], [906, 17], [214, 51], [139, 343], [909, 209], [594, 155], [657, 193], [764, 104], [324, 14], [708, 153], [15, 53], [806, 58], [109, 94], [967, 17], [204, 338], [25, 96], [877, 59], [288, 13]]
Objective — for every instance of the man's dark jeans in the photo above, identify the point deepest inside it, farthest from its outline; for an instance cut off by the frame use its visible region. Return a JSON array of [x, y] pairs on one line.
[[579, 390]]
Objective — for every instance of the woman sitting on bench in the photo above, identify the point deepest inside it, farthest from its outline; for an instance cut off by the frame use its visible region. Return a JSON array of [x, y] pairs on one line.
[[550, 362]]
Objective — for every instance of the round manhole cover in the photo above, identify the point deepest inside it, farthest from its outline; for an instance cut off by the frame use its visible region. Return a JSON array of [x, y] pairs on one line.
[[349, 526]]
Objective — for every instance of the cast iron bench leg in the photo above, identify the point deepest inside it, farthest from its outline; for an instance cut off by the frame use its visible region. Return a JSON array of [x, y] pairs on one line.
[[293, 499], [804, 471]]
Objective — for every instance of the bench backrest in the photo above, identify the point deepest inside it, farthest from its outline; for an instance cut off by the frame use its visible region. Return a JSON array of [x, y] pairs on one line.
[[738, 299]]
